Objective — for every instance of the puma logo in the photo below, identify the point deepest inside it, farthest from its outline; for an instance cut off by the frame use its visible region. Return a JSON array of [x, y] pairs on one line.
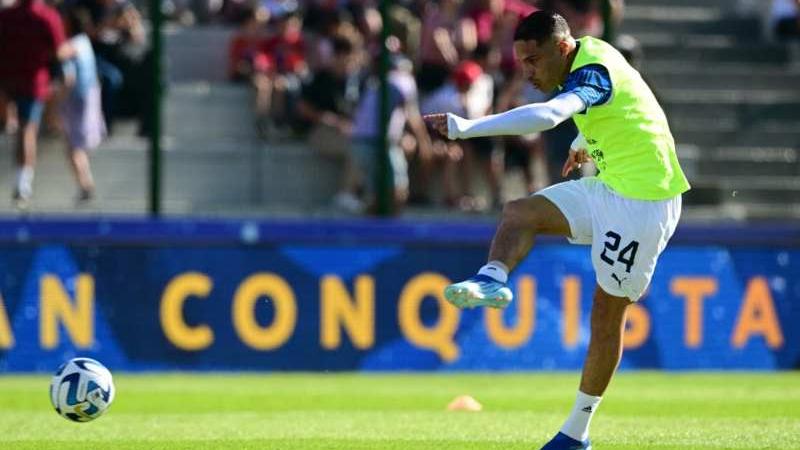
[[616, 278]]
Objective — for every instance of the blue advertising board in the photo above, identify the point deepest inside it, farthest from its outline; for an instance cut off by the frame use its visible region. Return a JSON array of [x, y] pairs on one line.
[[240, 295]]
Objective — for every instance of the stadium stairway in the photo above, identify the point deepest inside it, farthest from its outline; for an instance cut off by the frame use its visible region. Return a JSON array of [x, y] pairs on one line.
[[732, 101], [206, 160]]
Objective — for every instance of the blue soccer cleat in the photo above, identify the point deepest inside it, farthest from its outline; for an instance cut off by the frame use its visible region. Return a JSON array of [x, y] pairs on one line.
[[564, 442], [479, 290]]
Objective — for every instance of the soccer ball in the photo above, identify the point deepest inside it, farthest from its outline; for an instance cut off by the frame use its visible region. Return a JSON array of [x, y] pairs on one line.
[[81, 390]]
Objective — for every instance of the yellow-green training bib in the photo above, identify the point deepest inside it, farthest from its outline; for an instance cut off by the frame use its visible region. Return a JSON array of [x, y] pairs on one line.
[[628, 136]]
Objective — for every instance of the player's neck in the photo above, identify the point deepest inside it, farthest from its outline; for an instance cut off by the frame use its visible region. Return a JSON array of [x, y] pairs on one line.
[[571, 54]]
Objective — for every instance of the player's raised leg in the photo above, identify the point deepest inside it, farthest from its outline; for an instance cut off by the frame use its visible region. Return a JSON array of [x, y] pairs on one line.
[[602, 359], [522, 221]]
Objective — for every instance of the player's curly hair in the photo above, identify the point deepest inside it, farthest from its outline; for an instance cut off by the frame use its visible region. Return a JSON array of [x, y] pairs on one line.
[[542, 26]]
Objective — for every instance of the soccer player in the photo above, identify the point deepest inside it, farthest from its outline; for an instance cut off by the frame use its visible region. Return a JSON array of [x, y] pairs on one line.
[[627, 213]]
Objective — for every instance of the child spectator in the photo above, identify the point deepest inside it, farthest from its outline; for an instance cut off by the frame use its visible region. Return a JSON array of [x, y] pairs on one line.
[[81, 109]]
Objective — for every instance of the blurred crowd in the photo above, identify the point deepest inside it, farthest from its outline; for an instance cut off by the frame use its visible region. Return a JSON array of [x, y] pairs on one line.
[[313, 69], [76, 66]]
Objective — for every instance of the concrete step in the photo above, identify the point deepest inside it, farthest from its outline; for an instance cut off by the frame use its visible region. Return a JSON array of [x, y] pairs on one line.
[[687, 20], [699, 161], [745, 168], [736, 138], [762, 211], [718, 4], [732, 210], [197, 53], [723, 80], [733, 130], [665, 37], [751, 189], [731, 96], [789, 127], [710, 55], [734, 108], [190, 181], [679, 67], [202, 110], [294, 175], [697, 12]]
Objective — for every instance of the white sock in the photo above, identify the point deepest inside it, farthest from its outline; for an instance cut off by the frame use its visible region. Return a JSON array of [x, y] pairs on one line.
[[495, 269], [25, 180], [577, 424]]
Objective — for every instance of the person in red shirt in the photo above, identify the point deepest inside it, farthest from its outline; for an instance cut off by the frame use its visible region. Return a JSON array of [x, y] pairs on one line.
[[245, 54], [285, 51], [31, 36]]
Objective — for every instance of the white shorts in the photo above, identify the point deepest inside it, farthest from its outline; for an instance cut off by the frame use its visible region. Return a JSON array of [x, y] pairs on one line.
[[626, 235]]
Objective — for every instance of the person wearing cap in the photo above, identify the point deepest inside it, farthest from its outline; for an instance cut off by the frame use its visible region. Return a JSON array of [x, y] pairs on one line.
[[468, 93]]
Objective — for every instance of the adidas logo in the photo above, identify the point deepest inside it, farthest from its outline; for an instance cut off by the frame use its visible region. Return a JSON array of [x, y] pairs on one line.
[[588, 409]]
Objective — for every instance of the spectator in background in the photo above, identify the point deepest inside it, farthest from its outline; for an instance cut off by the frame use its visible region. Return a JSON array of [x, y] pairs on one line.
[[480, 101], [327, 105], [526, 153], [584, 17], [469, 94], [31, 38], [119, 43], [245, 54], [785, 19], [503, 35], [8, 114], [328, 100], [366, 17], [404, 109], [247, 61], [406, 26], [447, 37], [286, 68], [335, 24], [485, 14], [81, 110]]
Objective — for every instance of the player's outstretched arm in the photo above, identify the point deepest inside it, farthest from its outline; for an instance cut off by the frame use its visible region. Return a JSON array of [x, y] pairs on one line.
[[525, 119]]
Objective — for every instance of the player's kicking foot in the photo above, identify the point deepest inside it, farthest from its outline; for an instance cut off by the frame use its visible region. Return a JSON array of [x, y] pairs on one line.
[[564, 442], [480, 290]]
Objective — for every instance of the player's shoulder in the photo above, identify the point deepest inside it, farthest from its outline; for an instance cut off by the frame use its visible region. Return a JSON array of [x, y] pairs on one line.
[[594, 74]]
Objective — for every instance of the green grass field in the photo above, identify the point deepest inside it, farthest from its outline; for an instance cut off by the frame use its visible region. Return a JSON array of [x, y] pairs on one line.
[[327, 411]]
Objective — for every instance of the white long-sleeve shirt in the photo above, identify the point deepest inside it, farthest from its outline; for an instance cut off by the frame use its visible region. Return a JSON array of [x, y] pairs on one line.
[[527, 119]]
